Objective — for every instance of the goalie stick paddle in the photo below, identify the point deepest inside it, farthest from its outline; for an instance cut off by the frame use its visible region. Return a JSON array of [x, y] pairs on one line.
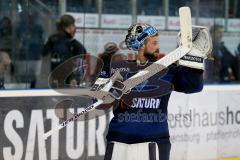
[[186, 27], [103, 95]]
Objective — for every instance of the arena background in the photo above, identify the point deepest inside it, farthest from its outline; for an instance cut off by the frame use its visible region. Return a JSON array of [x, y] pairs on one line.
[[203, 126]]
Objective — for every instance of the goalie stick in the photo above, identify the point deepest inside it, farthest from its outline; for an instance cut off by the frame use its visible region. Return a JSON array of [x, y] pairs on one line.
[[103, 95]]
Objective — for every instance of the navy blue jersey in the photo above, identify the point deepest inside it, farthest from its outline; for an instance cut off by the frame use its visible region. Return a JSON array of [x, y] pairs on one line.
[[141, 115]]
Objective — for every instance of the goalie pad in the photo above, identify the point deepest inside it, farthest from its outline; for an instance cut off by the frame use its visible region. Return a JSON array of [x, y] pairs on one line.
[[201, 48], [137, 151]]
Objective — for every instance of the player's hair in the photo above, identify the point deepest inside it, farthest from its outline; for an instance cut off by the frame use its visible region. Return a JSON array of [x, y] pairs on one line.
[[64, 22], [110, 49]]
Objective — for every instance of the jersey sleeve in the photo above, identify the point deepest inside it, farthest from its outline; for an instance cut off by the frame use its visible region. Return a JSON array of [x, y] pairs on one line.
[[78, 48], [186, 80]]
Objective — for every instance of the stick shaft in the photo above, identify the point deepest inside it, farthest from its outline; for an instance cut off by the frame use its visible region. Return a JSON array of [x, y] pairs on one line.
[[75, 117]]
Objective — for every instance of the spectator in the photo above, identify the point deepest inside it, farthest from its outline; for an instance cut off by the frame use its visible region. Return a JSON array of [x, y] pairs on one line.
[[6, 42], [62, 45], [5, 62], [31, 41], [110, 49], [224, 67], [238, 59], [6, 34], [109, 55], [238, 49]]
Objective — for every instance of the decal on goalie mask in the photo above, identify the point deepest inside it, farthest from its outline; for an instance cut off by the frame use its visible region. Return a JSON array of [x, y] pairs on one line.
[[137, 34]]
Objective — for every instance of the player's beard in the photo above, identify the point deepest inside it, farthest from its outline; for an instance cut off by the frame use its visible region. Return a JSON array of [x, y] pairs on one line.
[[152, 57]]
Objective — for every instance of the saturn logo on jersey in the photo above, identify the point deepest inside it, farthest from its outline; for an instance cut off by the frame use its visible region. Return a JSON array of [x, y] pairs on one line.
[[146, 103], [148, 94]]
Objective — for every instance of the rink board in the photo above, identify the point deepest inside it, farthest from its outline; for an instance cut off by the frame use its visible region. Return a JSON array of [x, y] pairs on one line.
[[203, 126]]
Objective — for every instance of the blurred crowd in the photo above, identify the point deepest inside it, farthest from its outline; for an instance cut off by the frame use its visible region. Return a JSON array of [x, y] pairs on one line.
[[27, 58], [224, 65]]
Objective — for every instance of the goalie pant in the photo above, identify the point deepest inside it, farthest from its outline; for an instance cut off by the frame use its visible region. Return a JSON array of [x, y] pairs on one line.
[[146, 119]]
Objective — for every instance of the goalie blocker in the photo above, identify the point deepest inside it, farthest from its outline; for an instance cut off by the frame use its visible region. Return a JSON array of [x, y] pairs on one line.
[[201, 48]]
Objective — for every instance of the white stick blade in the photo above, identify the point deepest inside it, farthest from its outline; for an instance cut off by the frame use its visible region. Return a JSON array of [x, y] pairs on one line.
[[186, 26]]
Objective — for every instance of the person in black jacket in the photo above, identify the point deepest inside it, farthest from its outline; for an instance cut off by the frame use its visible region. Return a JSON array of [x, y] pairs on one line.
[[62, 45]]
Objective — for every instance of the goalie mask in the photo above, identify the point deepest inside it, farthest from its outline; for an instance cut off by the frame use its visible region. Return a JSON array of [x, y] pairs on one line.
[[137, 34]]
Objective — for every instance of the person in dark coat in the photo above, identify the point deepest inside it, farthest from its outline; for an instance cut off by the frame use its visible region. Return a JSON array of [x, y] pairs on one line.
[[62, 45]]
